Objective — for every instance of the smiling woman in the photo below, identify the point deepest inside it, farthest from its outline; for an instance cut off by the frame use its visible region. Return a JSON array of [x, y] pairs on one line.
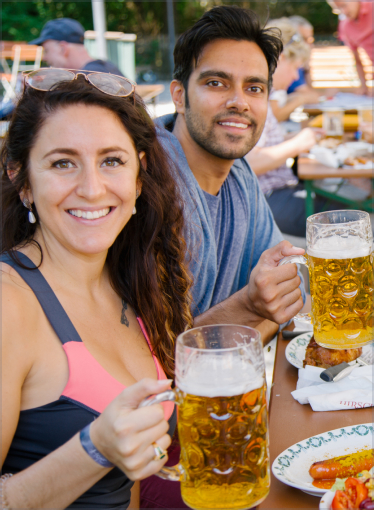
[[95, 292]]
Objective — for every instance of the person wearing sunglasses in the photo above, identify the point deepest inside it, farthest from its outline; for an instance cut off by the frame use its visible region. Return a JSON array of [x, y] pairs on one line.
[[306, 31], [94, 292], [295, 55]]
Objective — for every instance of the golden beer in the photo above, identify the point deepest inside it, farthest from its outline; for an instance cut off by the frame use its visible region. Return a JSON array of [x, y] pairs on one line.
[[224, 445], [342, 298], [222, 418]]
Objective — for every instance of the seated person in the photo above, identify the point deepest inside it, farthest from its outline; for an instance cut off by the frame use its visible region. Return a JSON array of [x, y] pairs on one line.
[[305, 29], [297, 51], [62, 40], [284, 194], [356, 30], [94, 293]]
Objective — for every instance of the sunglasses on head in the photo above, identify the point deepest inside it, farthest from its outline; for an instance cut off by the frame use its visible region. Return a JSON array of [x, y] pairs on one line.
[[45, 78]]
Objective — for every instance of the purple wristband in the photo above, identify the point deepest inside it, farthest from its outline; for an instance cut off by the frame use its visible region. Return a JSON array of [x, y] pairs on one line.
[[91, 449]]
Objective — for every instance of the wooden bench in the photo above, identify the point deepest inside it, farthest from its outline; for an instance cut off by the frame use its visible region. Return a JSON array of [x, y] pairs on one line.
[[335, 67]]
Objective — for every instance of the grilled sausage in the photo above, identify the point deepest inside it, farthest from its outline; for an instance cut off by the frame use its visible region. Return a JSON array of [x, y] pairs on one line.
[[344, 466]]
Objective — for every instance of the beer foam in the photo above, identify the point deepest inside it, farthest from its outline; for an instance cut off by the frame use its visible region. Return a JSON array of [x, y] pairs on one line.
[[337, 247], [217, 376]]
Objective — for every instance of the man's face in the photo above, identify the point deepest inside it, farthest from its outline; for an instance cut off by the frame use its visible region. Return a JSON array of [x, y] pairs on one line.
[[53, 53], [228, 98], [348, 8]]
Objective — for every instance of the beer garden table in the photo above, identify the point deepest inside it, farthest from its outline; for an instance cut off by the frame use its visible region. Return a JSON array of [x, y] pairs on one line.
[[310, 170], [291, 422]]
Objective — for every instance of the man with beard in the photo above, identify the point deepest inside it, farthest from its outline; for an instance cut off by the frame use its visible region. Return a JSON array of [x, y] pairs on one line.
[[223, 71]]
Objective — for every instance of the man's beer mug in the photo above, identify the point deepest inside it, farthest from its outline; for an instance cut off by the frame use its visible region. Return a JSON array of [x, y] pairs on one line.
[[340, 261], [222, 418]]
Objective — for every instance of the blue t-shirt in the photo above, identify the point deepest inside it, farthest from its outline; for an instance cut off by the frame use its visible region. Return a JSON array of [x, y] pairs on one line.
[[297, 83], [225, 234]]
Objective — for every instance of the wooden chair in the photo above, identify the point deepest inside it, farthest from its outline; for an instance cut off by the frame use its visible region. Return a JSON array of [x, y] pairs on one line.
[[25, 57]]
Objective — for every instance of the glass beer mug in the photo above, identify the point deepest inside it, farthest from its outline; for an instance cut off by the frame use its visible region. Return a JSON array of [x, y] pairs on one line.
[[340, 261], [222, 418]]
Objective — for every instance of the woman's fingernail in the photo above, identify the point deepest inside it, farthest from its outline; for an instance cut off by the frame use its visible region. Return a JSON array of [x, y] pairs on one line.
[[164, 381]]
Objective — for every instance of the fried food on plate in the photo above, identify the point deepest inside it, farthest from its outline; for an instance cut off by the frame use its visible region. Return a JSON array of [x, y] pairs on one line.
[[318, 356]]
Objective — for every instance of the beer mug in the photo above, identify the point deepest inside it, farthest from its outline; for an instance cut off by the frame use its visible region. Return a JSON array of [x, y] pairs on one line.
[[340, 261], [333, 123], [222, 418]]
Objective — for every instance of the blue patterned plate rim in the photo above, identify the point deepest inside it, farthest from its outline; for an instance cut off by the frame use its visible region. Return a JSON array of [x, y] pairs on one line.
[[307, 448]]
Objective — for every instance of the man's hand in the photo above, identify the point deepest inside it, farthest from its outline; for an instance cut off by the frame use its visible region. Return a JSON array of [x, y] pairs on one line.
[[273, 291]]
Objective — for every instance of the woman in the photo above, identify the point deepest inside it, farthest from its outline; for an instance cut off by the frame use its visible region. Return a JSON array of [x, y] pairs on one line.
[[296, 54], [268, 159], [88, 204]]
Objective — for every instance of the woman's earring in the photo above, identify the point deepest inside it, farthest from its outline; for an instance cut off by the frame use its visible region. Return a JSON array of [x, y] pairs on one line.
[[27, 204], [137, 196]]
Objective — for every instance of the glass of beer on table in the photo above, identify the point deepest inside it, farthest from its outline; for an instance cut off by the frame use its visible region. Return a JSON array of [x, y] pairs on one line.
[[340, 261], [222, 418]]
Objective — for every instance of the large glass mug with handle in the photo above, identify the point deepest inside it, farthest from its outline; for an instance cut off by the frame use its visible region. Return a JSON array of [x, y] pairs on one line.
[[340, 261], [222, 418]]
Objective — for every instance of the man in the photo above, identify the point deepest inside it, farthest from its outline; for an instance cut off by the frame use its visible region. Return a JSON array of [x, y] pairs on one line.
[[62, 40], [223, 73], [357, 31]]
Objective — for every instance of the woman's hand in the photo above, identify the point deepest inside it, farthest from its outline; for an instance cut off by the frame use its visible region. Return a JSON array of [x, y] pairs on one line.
[[124, 434]]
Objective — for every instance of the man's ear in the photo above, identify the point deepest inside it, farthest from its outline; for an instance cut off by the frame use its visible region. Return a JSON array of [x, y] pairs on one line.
[[178, 96], [65, 48]]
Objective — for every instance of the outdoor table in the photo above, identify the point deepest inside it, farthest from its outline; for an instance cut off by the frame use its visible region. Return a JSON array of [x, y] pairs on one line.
[[291, 422], [149, 92], [310, 170]]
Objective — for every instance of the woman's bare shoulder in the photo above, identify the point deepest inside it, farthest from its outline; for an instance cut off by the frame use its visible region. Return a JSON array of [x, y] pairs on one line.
[[20, 308]]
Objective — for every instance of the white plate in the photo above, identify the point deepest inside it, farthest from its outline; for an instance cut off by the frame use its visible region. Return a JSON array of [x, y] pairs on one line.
[[292, 466], [296, 348], [326, 500]]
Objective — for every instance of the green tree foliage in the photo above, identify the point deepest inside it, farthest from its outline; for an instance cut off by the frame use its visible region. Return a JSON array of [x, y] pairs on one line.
[[23, 21]]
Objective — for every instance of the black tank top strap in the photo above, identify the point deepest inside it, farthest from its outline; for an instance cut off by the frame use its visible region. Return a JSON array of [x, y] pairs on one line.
[[51, 306]]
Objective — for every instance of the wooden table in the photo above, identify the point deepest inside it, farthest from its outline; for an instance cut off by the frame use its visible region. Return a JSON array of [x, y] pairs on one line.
[[310, 170], [149, 92], [291, 422]]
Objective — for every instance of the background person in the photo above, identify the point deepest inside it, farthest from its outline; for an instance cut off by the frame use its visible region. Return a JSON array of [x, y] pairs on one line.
[[284, 194], [357, 31], [306, 30], [63, 44], [90, 207], [295, 55]]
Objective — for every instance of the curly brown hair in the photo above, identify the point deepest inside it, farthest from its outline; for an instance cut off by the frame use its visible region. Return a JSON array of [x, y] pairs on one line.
[[147, 260]]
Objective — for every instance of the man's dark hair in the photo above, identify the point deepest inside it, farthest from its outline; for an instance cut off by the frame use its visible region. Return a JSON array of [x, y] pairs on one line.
[[224, 22]]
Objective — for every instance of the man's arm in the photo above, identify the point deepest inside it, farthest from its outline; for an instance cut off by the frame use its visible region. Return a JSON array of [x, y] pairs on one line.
[[271, 297], [361, 73], [234, 310]]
